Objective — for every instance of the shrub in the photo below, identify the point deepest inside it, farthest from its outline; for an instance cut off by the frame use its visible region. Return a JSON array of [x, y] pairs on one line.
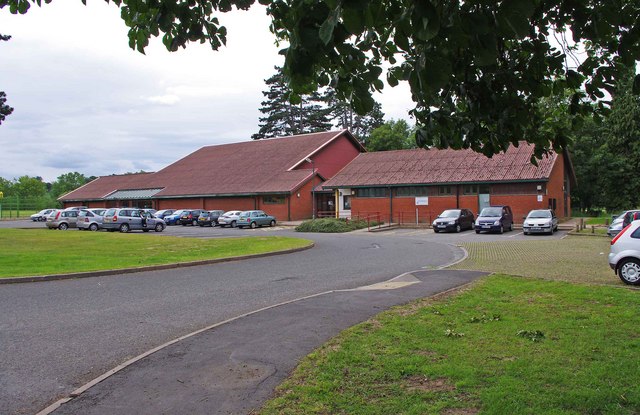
[[331, 225]]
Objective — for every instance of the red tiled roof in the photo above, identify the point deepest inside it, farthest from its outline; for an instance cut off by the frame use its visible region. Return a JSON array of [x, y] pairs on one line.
[[433, 166], [105, 185], [250, 167]]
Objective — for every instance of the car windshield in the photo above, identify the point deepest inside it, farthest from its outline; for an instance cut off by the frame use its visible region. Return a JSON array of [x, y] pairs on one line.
[[178, 212], [539, 214], [452, 213], [491, 212]]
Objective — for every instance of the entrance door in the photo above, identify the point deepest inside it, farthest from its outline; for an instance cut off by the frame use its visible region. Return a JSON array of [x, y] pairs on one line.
[[483, 201]]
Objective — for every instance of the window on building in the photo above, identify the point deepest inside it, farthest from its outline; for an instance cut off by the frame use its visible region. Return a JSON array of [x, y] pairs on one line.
[[273, 200], [372, 192], [445, 190], [346, 202], [411, 191], [470, 189]]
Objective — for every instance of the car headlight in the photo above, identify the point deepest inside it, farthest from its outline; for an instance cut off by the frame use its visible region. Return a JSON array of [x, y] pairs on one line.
[[434, 223], [496, 223], [453, 222]]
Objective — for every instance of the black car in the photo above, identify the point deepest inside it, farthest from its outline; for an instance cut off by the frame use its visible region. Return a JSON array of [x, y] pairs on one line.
[[209, 217], [190, 217], [495, 219], [453, 220]]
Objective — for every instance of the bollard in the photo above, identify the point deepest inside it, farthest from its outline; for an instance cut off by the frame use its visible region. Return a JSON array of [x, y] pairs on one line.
[[593, 229]]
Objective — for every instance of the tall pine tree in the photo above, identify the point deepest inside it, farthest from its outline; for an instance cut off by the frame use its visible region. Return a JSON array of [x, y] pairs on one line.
[[281, 118], [360, 126], [317, 112]]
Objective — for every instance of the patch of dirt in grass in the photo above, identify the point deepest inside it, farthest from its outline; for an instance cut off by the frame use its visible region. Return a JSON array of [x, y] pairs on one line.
[[461, 411], [423, 384], [433, 356]]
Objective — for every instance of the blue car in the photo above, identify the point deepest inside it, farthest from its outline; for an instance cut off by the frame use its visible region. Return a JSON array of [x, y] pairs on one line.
[[174, 218]]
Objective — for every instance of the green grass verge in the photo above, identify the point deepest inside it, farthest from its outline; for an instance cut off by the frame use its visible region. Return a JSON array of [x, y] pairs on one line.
[[575, 258], [509, 345], [42, 252]]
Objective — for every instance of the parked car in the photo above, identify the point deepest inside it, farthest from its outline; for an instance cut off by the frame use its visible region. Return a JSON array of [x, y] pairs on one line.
[[190, 217], [164, 212], [616, 225], [90, 219], [62, 219], [173, 218], [454, 220], [75, 208], [540, 221], [229, 218], [624, 256], [209, 217], [495, 219], [254, 218], [41, 216], [131, 219]]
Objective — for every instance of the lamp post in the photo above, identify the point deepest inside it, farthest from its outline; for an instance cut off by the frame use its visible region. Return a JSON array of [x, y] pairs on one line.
[[313, 188]]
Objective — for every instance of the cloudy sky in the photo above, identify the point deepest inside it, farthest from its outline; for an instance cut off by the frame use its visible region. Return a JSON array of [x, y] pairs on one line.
[[83, 101]]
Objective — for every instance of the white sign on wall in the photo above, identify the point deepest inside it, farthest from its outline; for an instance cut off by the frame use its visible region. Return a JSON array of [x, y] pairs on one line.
[[422, 201], [539, 198]]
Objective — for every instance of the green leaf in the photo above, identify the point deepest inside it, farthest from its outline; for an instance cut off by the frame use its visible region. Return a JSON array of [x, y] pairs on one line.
[[326, 30], [353, 20], [636, 85]]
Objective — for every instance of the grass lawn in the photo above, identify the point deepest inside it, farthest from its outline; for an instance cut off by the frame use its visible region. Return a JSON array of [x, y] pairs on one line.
[[42, 251], [506, 344]]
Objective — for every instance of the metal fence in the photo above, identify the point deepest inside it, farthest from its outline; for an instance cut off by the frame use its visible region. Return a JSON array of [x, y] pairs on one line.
[[16, 207]]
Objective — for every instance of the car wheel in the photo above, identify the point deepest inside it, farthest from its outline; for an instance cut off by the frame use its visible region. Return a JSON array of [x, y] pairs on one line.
[[511, 227], [501, 229], [477, 231], [124, 228], [458, 228], [93, 227], [145, 230], [63, 226], [233, 224], [194, 222], [272, 223], [629, 271], [252, 225], [200, 224], [435, 230], [159, 227]]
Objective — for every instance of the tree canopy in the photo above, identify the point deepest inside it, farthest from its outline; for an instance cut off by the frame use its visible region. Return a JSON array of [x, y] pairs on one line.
[[476, 68]]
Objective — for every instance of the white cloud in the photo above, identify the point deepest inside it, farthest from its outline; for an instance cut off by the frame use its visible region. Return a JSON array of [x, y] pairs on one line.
[[168, 99]]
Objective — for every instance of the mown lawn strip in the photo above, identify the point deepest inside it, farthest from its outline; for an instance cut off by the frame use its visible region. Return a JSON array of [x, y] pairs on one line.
[[45, 252]]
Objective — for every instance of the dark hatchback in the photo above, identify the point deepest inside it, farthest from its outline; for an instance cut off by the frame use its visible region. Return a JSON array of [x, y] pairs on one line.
[[495, 219], [209, 217], [453, 220], [190, 217]]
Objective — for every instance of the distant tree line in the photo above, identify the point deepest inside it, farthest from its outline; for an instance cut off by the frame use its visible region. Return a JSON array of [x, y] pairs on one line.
[[28, 187], [606, 154]]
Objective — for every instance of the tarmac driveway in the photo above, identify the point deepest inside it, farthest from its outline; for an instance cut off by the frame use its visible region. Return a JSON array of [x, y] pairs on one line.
[[56, 336]]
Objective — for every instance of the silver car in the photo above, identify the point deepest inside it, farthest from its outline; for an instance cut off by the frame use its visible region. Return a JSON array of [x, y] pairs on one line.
[[42, 215], [131, 219], [90, 219], [229, 218], [62, 219], [624, 257], [540, 221]]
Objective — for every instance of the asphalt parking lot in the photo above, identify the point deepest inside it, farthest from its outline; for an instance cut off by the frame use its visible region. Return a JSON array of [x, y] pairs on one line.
[[218, 232]]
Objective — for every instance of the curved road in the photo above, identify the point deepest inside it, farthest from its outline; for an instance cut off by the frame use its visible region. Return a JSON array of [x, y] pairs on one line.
[[55, 336]]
